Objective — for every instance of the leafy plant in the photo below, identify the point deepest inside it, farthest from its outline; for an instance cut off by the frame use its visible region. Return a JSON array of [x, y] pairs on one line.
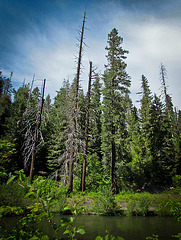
[[71, 230], [142, 205], [154, 237], [105, 203], [177, 236], [44, 200], [109, 237]]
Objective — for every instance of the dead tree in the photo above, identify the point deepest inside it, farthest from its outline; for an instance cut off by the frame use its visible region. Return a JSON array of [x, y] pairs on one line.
[[36, 133], [86, 132], [73, 125]]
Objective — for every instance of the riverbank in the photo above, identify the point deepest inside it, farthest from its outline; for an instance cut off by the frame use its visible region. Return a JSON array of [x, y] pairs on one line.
[[167, 203], [42, 199]]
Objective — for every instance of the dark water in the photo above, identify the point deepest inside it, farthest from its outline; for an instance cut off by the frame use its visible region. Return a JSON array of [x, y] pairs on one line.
[[130, 228]]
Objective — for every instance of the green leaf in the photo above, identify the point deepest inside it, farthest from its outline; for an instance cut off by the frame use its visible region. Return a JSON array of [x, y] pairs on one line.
[[41, 215], [34, 237], [29, 193], [66, 232], [107, 237], [71, 219], [45, 237], [81, 231], [45, 203], [66, 208], [99, 238], [10, 179], [65, 220]]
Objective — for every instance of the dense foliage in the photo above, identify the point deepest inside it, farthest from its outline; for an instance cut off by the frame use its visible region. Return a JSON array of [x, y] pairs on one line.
[[128, 148]]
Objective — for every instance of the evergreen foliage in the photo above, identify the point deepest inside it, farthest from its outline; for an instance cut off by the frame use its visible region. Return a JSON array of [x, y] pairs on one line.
[[116, 87], [128, 147]]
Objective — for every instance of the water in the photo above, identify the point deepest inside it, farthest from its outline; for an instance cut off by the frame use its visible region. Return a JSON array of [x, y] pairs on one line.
[[130, 228]]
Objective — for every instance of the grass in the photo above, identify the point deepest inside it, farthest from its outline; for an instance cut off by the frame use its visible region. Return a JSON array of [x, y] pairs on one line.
[[167, 203]]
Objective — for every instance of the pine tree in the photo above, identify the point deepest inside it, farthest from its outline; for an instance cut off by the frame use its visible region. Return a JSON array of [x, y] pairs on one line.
[[169, 110], [134, 171], [116, 84], [95, 119], [96, 177], [5, 102], [146, 127], [15, 132], [168, 101], [59, 125], [162, 149]]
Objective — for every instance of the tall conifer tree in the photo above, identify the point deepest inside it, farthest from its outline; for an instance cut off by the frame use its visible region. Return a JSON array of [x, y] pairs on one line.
[[116, 84]]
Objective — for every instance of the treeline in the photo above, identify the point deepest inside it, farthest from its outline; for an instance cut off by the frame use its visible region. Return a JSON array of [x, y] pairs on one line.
[[96, 140]]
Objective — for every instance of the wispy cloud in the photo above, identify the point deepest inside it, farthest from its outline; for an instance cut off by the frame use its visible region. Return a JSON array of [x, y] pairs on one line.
[[45, 43]]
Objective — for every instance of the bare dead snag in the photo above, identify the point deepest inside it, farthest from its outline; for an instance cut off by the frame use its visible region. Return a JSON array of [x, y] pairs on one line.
[[35, 139], [73, 127], [86, 132]]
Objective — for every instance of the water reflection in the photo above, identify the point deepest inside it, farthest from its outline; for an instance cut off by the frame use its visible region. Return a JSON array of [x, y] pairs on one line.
[[131, 228]]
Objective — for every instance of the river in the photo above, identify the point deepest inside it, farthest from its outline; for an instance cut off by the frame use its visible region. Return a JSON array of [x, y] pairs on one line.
[[130, 228]]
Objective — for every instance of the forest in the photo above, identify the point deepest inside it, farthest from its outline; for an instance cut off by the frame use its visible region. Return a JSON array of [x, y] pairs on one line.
[[89, 143], [95, 140]]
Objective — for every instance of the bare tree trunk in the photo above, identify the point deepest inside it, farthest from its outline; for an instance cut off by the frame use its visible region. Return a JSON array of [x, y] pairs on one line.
[[73, 127], [113, 148], [37, 126], [86, 132], [113, 173]]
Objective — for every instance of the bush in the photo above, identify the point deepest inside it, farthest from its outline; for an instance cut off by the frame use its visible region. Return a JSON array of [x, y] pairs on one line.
[[142, 205], [53, 189], [176, 181], [7, 153], [105, 204], [13, 195]]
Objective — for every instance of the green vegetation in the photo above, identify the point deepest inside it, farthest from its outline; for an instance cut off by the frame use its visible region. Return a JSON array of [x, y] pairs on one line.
[[43, 197], [133, 156]]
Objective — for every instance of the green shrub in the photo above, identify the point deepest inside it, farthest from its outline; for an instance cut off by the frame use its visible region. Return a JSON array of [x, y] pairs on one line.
[[8, 210], [176, 181], [13, 195], [142, 205], [131, 207], [7, 153], [55, 190], [166, 206], [105, 204]]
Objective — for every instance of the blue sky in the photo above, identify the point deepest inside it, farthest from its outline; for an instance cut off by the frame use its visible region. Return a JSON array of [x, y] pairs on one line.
[[40, 37]]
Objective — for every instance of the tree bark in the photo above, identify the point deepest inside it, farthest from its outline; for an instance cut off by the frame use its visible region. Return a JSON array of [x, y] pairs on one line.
[[73, 127], [37, 126], [113, 147], [86, 132]]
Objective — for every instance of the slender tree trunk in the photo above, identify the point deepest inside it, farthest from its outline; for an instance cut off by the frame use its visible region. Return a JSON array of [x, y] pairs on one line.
[[37, 126], [113, 148], [73, 127], [86, 132]]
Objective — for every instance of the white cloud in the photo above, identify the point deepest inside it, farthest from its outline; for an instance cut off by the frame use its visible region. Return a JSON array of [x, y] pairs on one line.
[[49, 53], [152, 41]]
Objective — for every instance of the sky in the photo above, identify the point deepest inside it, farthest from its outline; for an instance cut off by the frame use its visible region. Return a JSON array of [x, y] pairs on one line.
[[40, 37]]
